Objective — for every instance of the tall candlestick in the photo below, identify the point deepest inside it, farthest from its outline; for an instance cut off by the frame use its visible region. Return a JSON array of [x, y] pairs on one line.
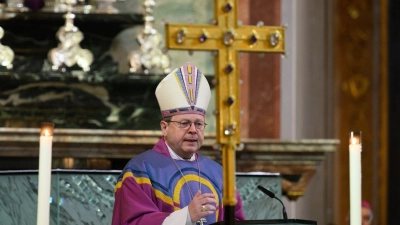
[[355, 178], [46, 141]]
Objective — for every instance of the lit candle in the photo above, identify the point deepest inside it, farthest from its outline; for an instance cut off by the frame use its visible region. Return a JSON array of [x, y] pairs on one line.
[[46, 141], [355, 178]]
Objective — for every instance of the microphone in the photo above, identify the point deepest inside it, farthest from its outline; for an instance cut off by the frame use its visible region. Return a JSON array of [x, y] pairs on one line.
[[272, 195]]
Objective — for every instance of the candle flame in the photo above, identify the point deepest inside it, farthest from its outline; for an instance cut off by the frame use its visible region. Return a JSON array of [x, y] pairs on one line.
[[47, 129], [354, 141]]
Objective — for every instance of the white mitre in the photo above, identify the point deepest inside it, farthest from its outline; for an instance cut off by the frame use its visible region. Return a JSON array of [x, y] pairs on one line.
[[184, 91]]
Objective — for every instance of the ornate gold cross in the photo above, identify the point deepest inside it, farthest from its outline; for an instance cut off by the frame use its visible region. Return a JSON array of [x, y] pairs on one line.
[[228, 39]]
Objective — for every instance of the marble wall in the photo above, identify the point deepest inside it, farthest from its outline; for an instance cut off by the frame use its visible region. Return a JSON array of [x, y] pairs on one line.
[[86, 197]]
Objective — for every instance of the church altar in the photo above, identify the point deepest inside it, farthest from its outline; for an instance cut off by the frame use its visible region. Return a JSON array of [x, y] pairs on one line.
[[87, 196], [296, 161]]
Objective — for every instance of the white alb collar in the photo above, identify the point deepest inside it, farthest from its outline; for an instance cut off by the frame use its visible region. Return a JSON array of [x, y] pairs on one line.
[[177, 157]]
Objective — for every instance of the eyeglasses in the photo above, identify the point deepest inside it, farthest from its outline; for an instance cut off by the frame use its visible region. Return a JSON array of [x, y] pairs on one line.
[[187, 124]]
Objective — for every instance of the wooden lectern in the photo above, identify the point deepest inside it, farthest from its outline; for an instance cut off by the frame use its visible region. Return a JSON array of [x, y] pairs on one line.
[[276, 222]]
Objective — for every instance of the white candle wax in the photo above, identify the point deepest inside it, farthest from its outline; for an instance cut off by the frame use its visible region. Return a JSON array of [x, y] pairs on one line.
[[43, 213], [355, 184]]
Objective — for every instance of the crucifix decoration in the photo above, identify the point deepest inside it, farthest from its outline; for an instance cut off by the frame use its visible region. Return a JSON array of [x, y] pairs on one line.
[[228, 39], [202, 221]]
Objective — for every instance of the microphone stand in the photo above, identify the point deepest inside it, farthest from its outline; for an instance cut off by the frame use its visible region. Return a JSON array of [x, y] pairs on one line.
[[272, 195]]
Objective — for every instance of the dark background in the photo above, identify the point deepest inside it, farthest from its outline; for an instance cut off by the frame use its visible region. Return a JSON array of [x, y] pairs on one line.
[[394, 112]]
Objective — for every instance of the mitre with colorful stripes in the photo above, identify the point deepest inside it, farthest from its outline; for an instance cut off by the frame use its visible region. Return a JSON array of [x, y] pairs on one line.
[[184, 91]]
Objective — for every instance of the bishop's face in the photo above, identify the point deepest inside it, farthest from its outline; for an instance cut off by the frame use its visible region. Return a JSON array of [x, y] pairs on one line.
[[183, 141]]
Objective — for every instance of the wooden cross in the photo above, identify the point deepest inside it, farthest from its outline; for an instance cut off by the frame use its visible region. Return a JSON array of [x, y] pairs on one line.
[[227, 38]]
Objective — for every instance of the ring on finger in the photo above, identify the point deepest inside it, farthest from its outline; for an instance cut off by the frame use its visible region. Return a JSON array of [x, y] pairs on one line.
[[203, 208]]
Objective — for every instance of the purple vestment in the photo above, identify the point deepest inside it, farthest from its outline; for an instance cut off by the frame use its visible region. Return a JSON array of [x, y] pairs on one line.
[[151, 187]]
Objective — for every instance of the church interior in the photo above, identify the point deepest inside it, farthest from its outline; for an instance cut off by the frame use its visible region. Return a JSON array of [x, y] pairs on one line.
[[310, 73]]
